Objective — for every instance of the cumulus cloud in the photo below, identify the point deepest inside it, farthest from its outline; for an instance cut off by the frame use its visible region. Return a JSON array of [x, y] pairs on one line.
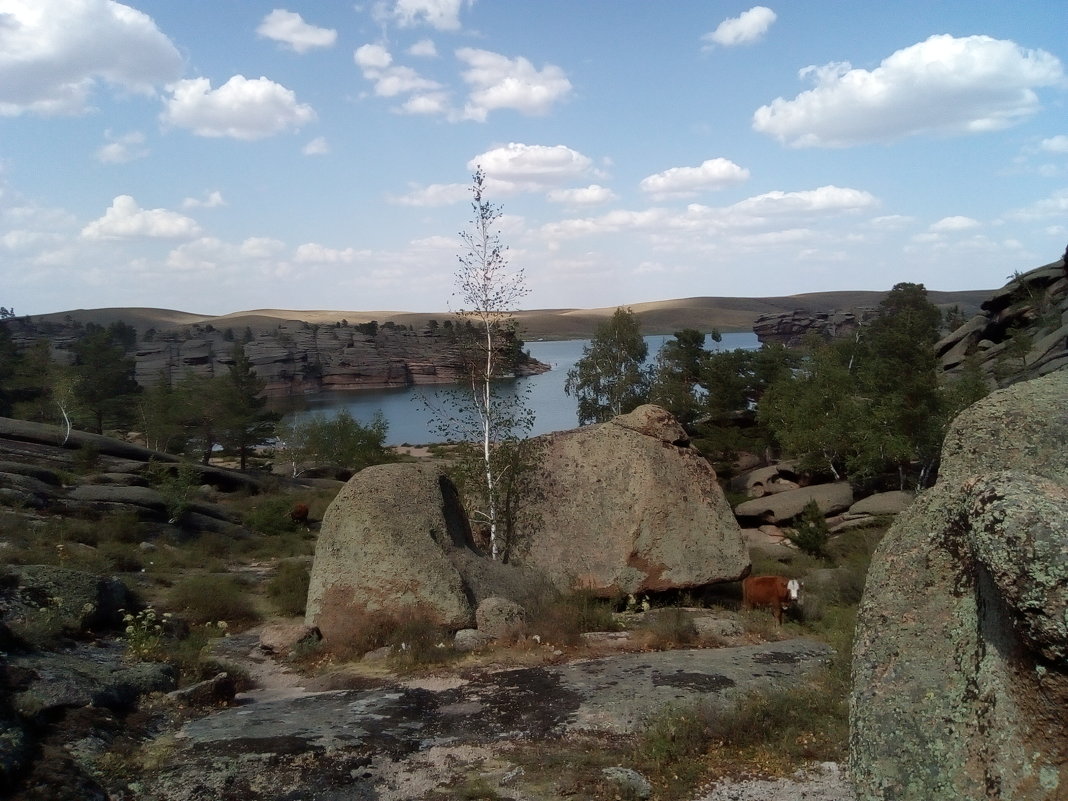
[[433, 195], [715, 173], [126, 220], [943, 85], [591, 195], [390, 80], [498, 82], [1055, 144], [211, 200], [54, 53], [824, 199], [517, 167], [956, 223], [316, 147], [424, 48], [289, 29], [746, 28], [122, 149], [441, 14], [241, 108]]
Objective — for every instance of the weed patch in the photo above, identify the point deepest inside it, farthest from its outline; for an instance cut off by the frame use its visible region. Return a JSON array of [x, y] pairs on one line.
[[207, 598]]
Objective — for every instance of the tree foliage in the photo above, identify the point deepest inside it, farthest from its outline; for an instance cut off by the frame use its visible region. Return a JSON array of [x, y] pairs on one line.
[[104, 385], [339, 441], [871, 405], [610, 378]]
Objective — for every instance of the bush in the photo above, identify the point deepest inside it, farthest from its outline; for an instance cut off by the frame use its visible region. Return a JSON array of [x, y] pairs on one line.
[[269, 515], [209, 598], [417, 640], [288, 587], [562, 619], [810, 532], [668, 627]]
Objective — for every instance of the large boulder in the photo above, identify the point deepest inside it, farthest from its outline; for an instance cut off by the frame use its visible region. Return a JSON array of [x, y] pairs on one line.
[[960, 666], [626, 507], [396, 540]]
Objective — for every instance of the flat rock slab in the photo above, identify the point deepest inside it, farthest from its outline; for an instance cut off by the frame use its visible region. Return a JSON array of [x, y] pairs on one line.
[[612, 694]]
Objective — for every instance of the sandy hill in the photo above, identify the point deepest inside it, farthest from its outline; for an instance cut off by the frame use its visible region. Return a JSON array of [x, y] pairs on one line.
[[658, 317]]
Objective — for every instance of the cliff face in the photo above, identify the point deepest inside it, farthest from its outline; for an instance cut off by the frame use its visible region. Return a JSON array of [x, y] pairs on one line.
[[791, 328], [293, 358]]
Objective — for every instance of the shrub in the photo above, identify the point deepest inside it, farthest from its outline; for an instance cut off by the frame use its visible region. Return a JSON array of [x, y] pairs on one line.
[[563, 619], [418, 640], [208, 598], [810, 532], [288, 587], [269, 514], [668, 627]]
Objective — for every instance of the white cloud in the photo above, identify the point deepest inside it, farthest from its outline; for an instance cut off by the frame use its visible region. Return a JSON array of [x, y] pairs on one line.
[[426, 103], [212, 200], [316, 147], [715, 173], [372, 57], [1055, 144], [261, 247], [516, 167], [824, 199], [441, 14], [956, 223], [290, 29], [591, 195], [434, 195], [424, 48], [53, 54], [746, 28], [390, 80], [240, 108], [498, 82], [1056, 205], [122, 149], [944, 85], [126, 220], [313, 253]]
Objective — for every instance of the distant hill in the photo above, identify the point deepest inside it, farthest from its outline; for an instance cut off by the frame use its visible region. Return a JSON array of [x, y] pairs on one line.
[[658, 317]]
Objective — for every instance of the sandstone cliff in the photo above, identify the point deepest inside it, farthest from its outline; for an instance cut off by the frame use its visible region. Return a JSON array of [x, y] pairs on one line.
[[293, 358]]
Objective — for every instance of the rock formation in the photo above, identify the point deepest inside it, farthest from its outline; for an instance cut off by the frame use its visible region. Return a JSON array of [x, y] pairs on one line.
[[1020, 333], [791, 328], [292, 357], [960, 667], [396, 539], [627, 507]]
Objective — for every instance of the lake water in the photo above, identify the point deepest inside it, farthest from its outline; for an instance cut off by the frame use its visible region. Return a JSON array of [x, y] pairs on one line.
[[407, 410]]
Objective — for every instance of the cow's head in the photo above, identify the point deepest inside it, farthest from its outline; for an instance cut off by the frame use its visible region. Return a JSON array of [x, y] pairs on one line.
[[793, 591]]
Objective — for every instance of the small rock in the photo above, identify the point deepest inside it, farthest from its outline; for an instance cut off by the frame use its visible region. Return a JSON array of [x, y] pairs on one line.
[[632, 783], [470, 640]]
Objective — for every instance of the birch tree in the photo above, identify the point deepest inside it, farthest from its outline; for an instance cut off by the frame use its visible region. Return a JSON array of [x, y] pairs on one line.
[[489, 293]]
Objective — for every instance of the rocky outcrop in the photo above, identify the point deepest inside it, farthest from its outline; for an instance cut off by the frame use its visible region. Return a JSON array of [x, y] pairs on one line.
[[627, 507], [291, 357], [782, 506], [396, 541], [960, 664], [790, 329], [1020, 333]]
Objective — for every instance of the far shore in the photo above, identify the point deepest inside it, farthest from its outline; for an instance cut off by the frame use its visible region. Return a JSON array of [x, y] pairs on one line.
[[727, 315]]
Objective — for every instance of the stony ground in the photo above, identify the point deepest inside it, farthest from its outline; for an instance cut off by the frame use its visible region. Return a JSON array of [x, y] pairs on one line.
[[390, 739]]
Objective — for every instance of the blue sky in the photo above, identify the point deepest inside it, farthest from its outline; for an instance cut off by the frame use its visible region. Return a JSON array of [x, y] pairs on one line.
[[217, 156]]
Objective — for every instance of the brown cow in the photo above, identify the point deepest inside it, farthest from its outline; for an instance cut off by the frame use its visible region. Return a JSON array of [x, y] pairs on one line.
[[299, 513], [776, 592]]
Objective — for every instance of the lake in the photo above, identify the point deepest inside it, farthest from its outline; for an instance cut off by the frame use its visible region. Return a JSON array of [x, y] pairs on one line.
[[407, 409]]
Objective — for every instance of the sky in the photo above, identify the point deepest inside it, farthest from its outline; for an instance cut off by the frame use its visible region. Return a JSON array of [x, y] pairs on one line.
[[215, 156]]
